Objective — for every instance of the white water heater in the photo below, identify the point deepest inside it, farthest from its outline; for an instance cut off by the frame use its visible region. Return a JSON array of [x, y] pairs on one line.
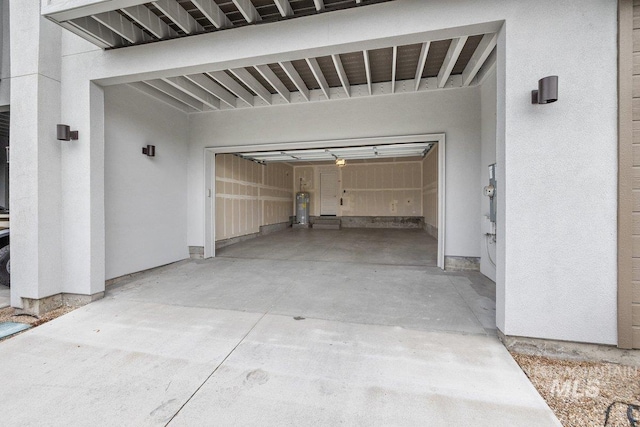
[[302, 207]]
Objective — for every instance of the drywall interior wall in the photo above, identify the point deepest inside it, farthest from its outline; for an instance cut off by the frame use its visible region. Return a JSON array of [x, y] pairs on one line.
[[249, 195], [488, 102], [145, 198], [238, 205], [277, 193], [454, 112], [381, 187], [430, 191]]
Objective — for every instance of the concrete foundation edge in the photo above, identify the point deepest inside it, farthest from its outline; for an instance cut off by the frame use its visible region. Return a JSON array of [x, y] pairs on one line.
[[568, 350], [197, 252], [44, 305], [431, 230], [461, 263], [411, 222]]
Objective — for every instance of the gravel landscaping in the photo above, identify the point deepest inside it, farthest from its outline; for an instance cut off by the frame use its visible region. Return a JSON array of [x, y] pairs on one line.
[[10, 314], [586, 394]]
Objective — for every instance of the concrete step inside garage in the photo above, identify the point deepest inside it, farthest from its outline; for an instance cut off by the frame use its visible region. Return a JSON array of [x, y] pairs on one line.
[[326, 223]]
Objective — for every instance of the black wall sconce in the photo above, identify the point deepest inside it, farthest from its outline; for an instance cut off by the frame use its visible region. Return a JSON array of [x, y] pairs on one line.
[[66, 134], [149, 150], [547, 91]]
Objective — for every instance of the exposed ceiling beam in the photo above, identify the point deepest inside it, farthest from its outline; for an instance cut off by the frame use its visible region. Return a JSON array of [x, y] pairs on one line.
[[213, 13], [296, 79], [248, 10], [245, 77], [319, 5], [394, 66], [161, 96], [214, 88], [424, 52], [170, 90], [85, 35], [450, 60], [367, 68], [284, 7], [179, 16], [233, 86], [268, 74], [484, 49], [71, 9], [122, 27], [317, 73], [98, 31], [149, 21], [191, 89], [337, 62], [487, 68]]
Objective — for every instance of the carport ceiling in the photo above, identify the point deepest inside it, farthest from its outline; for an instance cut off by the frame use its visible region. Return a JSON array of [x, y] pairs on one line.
[[388, 151], [121, 23], [5, 118], [431, 65]]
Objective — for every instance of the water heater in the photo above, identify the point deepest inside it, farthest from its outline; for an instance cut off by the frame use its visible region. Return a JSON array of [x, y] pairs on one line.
[[302, 207]]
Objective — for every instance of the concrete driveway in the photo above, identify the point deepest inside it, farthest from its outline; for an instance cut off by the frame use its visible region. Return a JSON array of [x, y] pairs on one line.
[[235, 341]]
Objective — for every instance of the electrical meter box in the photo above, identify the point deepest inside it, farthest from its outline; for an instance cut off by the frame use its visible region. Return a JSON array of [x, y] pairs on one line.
[[492, 198]]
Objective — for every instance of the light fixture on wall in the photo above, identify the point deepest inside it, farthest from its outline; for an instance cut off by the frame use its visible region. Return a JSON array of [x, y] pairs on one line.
[[149, 150], [65, 133], [340, 162], [547, 91]]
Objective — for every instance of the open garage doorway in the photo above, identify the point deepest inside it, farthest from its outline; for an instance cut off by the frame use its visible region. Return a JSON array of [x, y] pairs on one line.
[[395, 184]]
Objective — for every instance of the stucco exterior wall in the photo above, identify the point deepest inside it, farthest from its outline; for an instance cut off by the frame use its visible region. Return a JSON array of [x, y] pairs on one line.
[[145, 198]]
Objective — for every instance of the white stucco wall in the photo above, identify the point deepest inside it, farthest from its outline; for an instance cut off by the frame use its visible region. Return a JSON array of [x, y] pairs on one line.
[[5, 52], [560, 162], [454, 112], [145, 198], [488, 115]]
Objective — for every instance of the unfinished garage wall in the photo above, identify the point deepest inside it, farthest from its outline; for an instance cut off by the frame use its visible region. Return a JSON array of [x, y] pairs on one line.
[[277, 193], [430, 192], [382, 189], [238, 205], [389, 188], [250, 195], [454, 112], [145, 197]]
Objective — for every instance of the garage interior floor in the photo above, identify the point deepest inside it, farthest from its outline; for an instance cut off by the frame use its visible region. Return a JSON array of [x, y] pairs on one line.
[[301, 327]]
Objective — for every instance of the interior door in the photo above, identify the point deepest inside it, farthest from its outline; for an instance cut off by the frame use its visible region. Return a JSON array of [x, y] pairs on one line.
[[329, 193]]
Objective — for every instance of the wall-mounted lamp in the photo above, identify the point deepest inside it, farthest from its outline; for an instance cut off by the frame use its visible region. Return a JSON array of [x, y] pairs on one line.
[[66, 134], [340, 162], [149, 150], [547, 91]]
